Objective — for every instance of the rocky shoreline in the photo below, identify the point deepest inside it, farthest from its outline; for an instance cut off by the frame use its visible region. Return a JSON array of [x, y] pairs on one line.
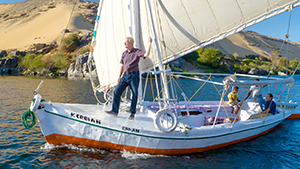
[[77, 69], [9, 59]]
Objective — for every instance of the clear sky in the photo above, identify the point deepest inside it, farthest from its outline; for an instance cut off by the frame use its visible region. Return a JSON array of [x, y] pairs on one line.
[[275, 27]]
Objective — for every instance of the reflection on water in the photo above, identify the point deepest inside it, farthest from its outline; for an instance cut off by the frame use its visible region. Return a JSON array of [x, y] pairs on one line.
[[20, 146], [26, 148]]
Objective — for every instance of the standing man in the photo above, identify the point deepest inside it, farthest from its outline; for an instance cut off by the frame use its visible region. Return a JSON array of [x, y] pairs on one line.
[[270, 106], [234, 101], [256, 94], [130, 71]]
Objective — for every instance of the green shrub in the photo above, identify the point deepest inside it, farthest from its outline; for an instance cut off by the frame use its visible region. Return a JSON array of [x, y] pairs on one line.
[[200, 51], [61, 61], [231, 56], [281, 61], [294, 63], [211, 57], [192, 58], [247, 60], [236, 66], [32, 62], [70, 43], [245, 68], [84, 50]]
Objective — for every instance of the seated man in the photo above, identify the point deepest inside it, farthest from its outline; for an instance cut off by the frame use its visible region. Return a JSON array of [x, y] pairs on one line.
[[234, 99], [256, 94], [270, 106]]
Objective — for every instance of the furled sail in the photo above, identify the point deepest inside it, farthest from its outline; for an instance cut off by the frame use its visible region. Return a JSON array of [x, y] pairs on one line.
[[181, 26]]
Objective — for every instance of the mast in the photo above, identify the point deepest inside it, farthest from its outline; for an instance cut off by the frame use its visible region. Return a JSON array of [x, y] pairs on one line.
[[160, 64], [134, 24]]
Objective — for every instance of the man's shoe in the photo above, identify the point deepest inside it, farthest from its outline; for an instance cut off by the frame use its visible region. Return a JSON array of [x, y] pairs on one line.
[[131, 117], [112, 113]]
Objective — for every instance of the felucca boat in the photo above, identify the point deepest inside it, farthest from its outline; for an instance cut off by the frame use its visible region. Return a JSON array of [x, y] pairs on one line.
[[171, 124]]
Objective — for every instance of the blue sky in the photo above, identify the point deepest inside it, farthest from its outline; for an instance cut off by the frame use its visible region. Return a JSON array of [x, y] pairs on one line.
[[275, 27]]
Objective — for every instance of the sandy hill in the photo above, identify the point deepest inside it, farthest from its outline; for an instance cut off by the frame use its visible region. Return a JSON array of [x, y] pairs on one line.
[[251, 43], [42, 21]]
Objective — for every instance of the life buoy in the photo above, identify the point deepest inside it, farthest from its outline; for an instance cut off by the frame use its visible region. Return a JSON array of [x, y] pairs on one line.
[[108, 94], [165, 120], [35, 102]]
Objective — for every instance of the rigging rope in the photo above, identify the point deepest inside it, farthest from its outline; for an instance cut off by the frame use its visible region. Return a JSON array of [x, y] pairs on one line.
[[36, 90], [199, 88], [287, 44], [286, 40], [179, 87]]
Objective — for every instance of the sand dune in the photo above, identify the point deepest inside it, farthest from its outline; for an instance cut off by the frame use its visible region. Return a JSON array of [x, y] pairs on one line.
[[43, 24], [251, 43]]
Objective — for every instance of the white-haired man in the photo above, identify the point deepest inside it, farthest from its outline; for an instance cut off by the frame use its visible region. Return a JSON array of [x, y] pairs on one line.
[[129, 76]]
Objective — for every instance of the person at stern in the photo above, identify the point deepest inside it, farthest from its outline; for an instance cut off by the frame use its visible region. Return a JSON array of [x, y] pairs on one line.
[[270, 106]]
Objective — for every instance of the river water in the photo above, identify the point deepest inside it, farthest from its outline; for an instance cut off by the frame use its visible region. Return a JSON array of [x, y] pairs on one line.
[[26, 148]]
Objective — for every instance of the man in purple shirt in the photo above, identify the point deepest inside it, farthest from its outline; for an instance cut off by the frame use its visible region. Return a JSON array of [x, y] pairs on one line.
[[129, 76]]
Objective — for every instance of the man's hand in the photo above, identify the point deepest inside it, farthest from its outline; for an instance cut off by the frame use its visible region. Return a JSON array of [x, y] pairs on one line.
[[149, 48]]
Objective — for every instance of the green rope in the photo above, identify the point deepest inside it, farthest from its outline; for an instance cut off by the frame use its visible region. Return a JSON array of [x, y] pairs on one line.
[[28, 119]]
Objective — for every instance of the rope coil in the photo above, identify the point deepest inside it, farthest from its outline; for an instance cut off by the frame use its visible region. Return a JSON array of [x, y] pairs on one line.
[[28, 119]]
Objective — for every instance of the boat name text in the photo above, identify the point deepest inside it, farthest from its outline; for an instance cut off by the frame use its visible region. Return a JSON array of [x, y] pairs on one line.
[[85, 118], [130, 129]]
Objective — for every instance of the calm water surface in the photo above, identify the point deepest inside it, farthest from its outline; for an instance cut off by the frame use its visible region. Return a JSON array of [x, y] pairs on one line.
[[26, 148]]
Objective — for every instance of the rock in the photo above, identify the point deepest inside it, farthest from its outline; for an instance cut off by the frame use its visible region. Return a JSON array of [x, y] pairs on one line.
[[62, 73], [51, 74], [71, 70], [2, 62], [23, 53], [51, 6], [261, 58], [9, 65], [42, 72], [33, 73], [48, 48], [176, 63], [65, 31], [281, 73], [41, 48], [80, 67], [33, 48], [254, 71], [86, 38], [15, 53], [3, 53]]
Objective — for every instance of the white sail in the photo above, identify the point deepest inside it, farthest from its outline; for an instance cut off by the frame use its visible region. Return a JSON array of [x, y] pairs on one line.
[[109, 41], [181, 25]]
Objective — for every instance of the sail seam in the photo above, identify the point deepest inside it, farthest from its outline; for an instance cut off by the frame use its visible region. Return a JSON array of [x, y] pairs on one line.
[[240, 10], [212, 12], [178, 26]]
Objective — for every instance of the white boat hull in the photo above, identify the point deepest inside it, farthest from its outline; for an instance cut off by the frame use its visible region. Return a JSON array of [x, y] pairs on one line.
[[88, 125]]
